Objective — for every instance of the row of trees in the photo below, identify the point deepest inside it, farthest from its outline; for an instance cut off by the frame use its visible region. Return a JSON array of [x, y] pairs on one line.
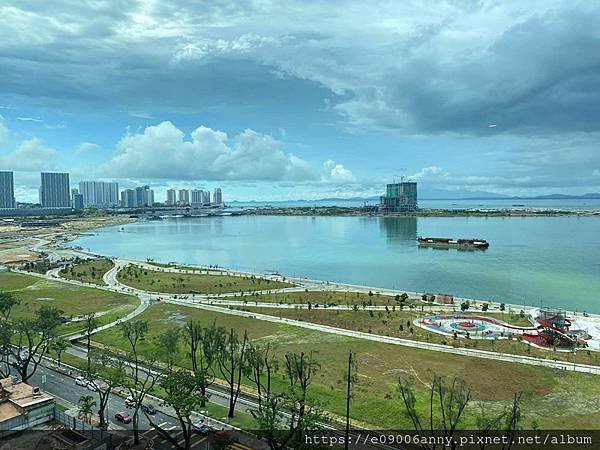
[[215, 352], [282, 413]]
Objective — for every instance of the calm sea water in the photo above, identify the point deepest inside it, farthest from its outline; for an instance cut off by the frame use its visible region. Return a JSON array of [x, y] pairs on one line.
[[554, 261]]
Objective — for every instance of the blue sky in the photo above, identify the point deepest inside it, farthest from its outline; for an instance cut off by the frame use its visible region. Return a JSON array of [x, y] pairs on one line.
[[294, 99]]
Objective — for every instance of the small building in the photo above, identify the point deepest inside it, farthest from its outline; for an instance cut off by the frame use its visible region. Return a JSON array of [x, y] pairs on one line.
[[444, 299], [23, 406]]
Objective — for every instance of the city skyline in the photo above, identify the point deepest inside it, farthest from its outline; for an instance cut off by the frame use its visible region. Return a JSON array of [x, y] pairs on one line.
[[286, 109]]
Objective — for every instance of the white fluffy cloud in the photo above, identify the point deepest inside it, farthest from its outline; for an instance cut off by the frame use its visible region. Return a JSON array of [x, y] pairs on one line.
[[30, 155], [164, 152], [337, 173]]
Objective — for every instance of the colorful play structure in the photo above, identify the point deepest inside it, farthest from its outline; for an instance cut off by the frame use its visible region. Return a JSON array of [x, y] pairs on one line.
[[550, 329]]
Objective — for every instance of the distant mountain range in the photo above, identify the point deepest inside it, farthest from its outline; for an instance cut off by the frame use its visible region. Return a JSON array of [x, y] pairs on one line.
[[447, 195]]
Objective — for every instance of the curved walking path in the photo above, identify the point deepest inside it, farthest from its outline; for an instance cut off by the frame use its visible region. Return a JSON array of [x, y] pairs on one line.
[[196, 302], [207, 302]]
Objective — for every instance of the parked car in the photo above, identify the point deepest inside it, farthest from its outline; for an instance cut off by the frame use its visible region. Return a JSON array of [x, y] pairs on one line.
[[82, 381], [129, 402], [148, 409], [123, 416], [92, 386], [201, 428]]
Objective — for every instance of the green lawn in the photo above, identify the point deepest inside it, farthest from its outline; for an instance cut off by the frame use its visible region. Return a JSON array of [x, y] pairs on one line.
[[330, 297], [398, 323], [74, 301], [175, 283], [381, 365], [89, 271]]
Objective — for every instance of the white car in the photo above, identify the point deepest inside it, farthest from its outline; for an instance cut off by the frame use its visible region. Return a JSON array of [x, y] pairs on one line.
[[129, 402], [92, 386], [82, 381]]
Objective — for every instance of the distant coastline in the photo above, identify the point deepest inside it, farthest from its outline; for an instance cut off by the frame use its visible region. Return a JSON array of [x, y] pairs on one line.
[[425, 212]]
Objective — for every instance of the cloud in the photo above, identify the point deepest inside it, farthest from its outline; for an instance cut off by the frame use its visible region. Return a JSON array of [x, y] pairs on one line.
[[596, 173], [29, 119], [86, 147], [337, 173], [164, 152], [30, 155], [412, 67]]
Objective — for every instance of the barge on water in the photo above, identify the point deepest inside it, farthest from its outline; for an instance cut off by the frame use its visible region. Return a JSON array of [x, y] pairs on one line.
[[450, 243]]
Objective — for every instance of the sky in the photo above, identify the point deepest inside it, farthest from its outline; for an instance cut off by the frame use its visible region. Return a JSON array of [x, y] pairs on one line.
[[275, 100]]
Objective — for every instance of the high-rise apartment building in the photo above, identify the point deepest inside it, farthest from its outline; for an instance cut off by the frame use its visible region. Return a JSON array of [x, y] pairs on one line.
[[99, 194], [184, 197], [196, 196], [217, 197], [54, 190], [206, 198], [128, 198], [7, 190], [171, 197]]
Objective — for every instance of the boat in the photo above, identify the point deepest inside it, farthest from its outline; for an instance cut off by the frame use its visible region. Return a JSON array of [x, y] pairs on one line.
[[449, 242]]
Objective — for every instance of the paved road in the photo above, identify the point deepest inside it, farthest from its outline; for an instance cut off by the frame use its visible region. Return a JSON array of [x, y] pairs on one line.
[[64, 387]]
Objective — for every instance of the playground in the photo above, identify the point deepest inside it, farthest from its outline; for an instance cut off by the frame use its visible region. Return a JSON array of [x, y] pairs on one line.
[[550, 329]]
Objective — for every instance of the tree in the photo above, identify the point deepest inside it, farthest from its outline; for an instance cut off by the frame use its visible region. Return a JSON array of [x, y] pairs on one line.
[[181, 393], [202, 344], [86, 407], [351, 378], [106, 373], [167, 345], [23, 342], [143, 380], [260, 365], [91, 323], [282, 417], [447, 402], [504, 424], [465, 305], [59, 345], [231, 359], [485, 307]]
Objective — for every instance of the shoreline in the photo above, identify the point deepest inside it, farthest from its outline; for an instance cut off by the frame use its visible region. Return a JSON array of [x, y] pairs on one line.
[[494, 306], [353, 211]]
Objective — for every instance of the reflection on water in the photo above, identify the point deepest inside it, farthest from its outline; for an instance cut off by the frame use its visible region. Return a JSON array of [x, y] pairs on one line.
[[398, 229]]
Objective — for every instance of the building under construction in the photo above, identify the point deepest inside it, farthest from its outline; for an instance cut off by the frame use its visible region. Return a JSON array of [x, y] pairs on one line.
[[399, 197]]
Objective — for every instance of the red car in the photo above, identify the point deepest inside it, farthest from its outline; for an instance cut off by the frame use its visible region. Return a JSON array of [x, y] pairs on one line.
[[123, 417]]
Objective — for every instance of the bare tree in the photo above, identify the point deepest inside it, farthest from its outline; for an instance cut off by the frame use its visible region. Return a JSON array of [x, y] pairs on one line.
[[231, 359], [202, 345], [447, 402], [282, 417], [504, 424], [259, 369]]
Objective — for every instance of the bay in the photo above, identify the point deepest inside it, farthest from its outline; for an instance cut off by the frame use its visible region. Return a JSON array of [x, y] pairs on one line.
[[550, 261]]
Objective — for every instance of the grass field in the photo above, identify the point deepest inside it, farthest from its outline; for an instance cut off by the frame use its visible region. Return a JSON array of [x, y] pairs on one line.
[[74, 301], [399, 324], [381, 365], [330, 298], [176, 283], [90, 271]]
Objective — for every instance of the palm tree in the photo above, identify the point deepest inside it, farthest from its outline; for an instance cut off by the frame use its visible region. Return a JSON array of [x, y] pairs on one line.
[[86, 407]]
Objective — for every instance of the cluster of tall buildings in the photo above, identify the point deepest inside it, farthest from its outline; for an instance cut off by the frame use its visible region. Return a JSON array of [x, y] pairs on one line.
[[194, 198], [55, 192]]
